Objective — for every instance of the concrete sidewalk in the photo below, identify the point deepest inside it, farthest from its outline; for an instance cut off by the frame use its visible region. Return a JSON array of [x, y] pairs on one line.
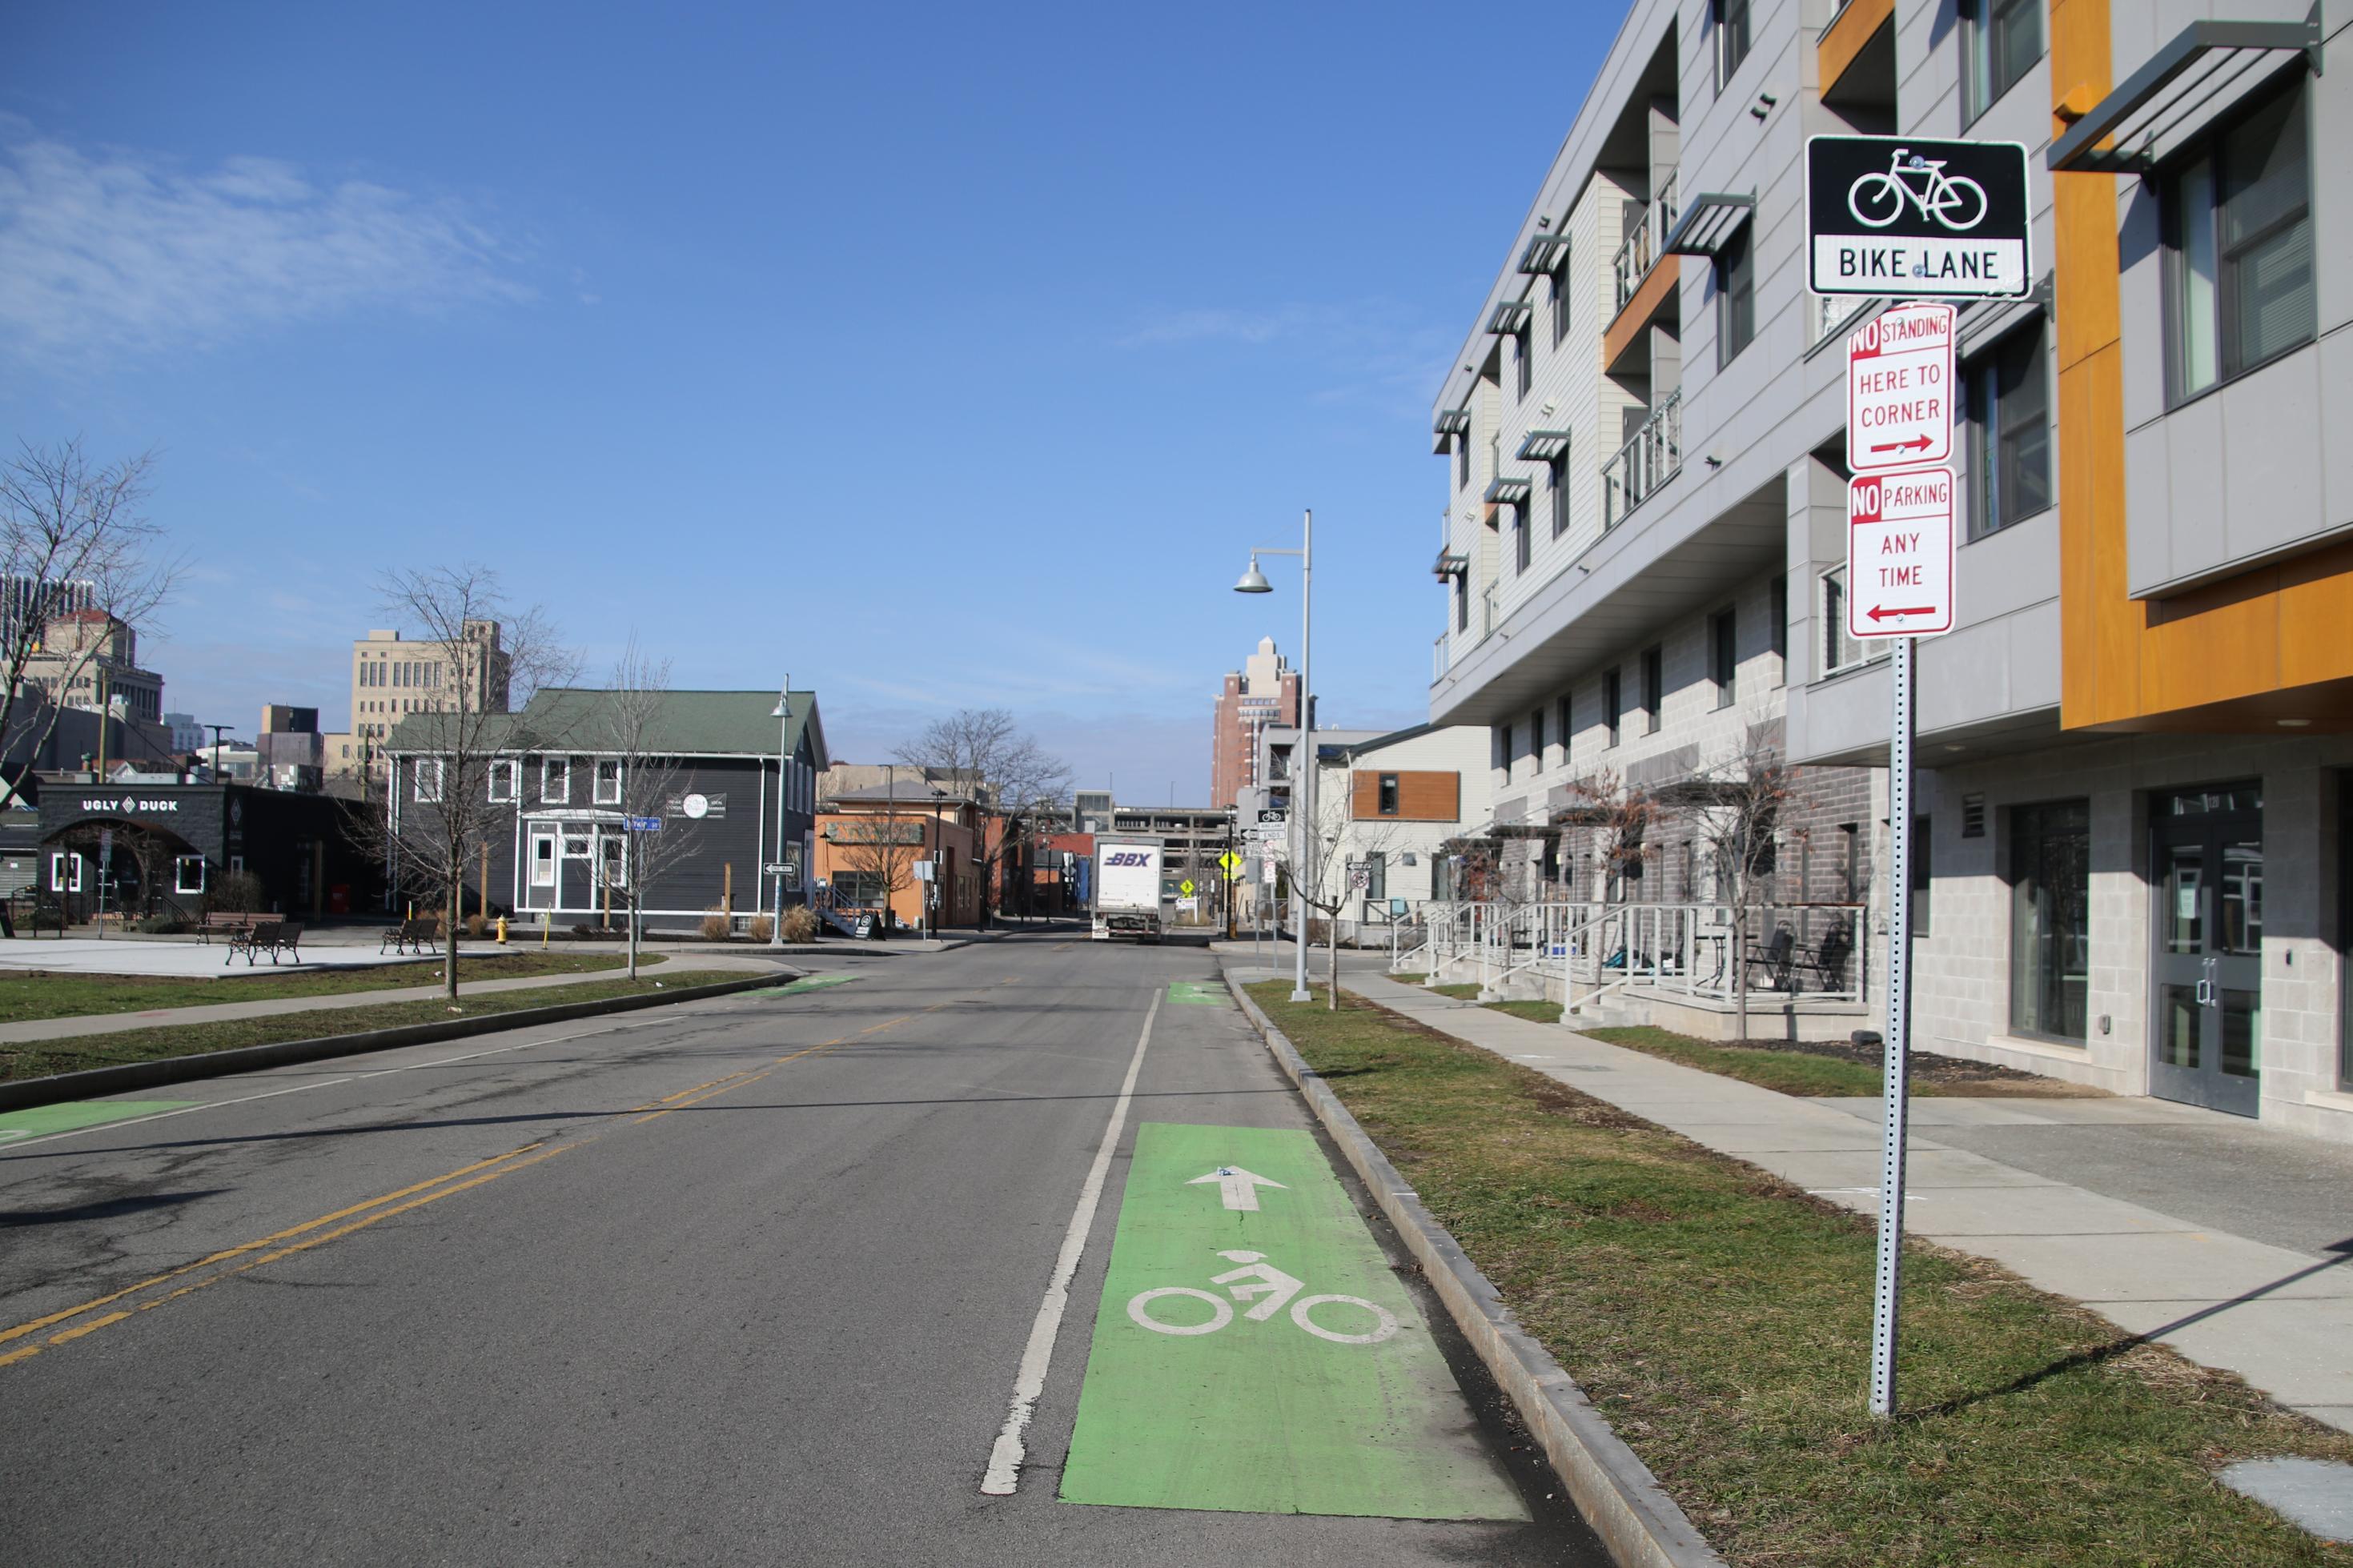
[[2275, 1307], [38, 1029]]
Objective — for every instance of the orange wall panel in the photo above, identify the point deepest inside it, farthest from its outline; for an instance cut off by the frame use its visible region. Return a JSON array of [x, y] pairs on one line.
[[1665, 277], [1843, 39]]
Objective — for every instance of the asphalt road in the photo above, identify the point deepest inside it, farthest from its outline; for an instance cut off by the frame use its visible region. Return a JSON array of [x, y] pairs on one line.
[[749, 1280]]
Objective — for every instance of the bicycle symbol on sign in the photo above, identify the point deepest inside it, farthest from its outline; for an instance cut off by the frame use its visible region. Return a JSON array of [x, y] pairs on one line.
[[1878, 198], [1274, 1288]]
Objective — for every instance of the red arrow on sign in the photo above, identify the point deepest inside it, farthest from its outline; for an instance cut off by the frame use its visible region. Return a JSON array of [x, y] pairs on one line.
[[1917, 444], [1881, 611]]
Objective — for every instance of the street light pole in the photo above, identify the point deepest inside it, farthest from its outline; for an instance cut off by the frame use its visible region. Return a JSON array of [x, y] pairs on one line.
[[1304, 791], [784, 716]]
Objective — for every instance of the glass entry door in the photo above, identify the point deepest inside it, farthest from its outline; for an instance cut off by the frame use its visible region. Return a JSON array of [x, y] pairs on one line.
[[2207, 1001]]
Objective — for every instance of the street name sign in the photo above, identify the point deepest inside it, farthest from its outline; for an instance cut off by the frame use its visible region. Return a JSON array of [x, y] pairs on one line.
[[1904, 217], [1899, 553], [1899, 388], [645, 825]]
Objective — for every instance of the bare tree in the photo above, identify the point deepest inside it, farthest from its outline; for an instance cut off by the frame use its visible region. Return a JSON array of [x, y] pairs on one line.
[[71, 538], [455, 783], [1620, 817], [880, 851], [1737, 805], [984, 755], [1321, 879], [627, 737]]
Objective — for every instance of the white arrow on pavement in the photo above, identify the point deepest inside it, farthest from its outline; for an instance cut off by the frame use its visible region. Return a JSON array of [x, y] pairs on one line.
[[1237, 1186]]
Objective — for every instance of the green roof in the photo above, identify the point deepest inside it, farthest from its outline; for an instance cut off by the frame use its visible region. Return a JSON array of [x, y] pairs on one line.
[[684, 724]]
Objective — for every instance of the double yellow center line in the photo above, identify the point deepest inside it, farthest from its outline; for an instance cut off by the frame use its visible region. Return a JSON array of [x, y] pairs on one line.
[[27, 1340]]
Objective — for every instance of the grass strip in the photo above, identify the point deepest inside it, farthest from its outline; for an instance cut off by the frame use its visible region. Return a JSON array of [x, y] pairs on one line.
[[1721, 1319], [44, 993], [41, 1058]]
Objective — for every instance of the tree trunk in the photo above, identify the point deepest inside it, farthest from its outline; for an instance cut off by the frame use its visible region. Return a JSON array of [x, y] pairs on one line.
[[1332, 971], [449, 944], [1740, 970], [633, 933]]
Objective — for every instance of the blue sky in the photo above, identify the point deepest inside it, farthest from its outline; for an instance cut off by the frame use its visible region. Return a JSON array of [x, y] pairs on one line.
[[943, 355]]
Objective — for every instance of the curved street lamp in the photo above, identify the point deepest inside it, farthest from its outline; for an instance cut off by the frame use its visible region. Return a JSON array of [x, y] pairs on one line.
[[1304, 793]]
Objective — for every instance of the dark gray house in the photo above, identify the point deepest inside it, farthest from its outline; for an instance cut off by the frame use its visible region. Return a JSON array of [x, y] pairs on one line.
[[562, 801]]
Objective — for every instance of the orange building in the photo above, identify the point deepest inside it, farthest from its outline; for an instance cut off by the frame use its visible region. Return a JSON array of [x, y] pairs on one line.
[[872, 844]]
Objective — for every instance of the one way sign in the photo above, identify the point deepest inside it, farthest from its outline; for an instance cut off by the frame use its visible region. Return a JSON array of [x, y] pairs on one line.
[[1899, 553]]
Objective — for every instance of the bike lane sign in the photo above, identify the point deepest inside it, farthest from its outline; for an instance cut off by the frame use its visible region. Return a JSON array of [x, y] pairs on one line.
[[1908, 217], [1260, 1356], [1899, 388]]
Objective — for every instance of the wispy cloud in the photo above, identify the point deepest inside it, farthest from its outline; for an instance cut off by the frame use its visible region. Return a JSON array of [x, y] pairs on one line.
[[120, 251], [1374, 350]]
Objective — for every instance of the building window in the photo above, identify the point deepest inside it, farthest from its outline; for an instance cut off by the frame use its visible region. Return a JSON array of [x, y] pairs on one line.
[[1560, 300], [1567, 732], [1503, 751], [1524, 359], [1654, 687], [1462, 601], [1732, 38], [1377, 877], [555, 779], [1778, 612], [2000, 41], [1841, 650], [2007, 390], [1612, 706], [1736, 297], [543, 860], [2238, 227], [608, 783], [1724, 658], [1388, 795], [2049, 920], [1537, 736], [1921, 880], [1558, 490], [428, 779], [1521, 550], [1463, 461], [188, 874], [505, 779], [65, 871]]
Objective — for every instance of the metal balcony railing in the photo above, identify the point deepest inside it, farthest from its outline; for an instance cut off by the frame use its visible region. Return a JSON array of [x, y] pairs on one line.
[[1653, 457], [1641, 250], [1830, 314], [1490, 616], [1438, 659]]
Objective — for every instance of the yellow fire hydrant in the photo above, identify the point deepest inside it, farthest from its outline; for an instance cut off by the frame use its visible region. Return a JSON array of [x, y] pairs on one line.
[[502, 931]]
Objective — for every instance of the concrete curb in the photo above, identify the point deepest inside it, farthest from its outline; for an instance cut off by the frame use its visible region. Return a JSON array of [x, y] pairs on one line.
[[1615, 1491], [93, 1081]]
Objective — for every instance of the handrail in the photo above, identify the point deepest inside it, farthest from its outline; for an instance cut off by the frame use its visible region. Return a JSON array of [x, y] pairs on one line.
[[1653, 456], [1641, 249]]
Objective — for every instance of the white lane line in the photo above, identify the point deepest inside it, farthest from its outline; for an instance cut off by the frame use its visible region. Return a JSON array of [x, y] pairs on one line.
[[1004, 1457], [297, 1088]]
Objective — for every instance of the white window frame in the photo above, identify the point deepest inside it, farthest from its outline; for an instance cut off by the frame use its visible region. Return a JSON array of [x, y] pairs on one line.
[[543, 866], [436, 770], [509, 772], [608, 795], [60, 862], [180, 865], [553, 770]]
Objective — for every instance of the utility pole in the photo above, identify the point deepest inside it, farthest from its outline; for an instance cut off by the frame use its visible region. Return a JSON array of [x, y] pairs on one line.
[[218, 730]]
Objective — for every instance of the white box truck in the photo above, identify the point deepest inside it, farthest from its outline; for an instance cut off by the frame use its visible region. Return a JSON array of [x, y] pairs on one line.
[[1127, 889]]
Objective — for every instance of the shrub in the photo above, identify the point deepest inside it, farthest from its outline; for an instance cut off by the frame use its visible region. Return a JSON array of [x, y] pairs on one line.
[[762, 928], [477, 924], [239, 892], [800, 924], [717, 927], [161, 925]]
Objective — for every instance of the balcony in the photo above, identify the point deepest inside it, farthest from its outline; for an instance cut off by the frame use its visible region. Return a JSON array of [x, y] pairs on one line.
[[1645, 245], [1438, 660], [1642, 465], [1490, 615]]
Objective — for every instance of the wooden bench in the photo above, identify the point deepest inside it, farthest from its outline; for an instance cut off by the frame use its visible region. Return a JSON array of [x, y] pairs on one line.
[[234, 922], [411, 936], [272, 937]]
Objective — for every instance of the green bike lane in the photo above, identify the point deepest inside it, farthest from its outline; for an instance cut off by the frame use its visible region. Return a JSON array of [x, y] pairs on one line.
[[1246, 1339]]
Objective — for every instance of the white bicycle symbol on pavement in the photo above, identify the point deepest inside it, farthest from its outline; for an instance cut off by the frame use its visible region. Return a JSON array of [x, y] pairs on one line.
[[1878, 198], [1274, 1288]]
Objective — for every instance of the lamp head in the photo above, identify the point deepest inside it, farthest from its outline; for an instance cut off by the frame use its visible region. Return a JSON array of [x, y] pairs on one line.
[[1253, 581]]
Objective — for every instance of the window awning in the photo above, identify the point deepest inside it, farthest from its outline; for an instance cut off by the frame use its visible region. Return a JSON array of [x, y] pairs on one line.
[[2185, 86], [1545, 254], [1452, 423], [1452, 564], [1543, 445], [1511, 316], [1508, 492], [1709, 221]]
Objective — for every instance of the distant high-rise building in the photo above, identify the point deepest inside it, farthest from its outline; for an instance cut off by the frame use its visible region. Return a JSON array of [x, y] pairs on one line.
[[188, 735], [1264, 691], [27, 601], [391, 676]]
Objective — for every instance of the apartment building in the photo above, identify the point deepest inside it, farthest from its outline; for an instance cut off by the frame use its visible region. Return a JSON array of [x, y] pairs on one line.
[[2147, 695], [392, 676], [1264, 691], [90, 659]]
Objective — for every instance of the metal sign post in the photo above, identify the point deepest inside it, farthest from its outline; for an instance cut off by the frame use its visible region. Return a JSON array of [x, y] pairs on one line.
[[1896, 1069]]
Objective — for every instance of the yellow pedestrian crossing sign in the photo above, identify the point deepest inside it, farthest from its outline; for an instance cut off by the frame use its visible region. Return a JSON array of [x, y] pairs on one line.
[[1186, 887]]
